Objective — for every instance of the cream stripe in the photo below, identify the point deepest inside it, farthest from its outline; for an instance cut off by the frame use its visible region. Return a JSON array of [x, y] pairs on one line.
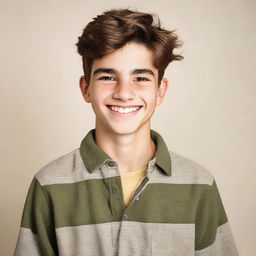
[[223, 245], [27, 243], [131, 238], [93, 239]]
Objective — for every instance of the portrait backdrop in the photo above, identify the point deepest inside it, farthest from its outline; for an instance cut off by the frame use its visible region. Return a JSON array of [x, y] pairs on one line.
[[208, 114]]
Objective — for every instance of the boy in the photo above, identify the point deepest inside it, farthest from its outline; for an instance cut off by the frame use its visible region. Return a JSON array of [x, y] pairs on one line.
[[123, 192]]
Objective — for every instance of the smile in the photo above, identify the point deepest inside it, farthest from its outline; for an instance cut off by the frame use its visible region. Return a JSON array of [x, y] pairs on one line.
[[124, 110]]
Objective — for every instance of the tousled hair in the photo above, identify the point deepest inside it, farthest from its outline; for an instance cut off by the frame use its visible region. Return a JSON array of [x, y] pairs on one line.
[[115, 28]]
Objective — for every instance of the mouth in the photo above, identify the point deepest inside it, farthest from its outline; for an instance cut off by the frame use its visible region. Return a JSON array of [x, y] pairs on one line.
[[124, 110]]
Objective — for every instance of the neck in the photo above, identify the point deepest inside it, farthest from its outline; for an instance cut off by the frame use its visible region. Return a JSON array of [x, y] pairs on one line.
[[131, 151]]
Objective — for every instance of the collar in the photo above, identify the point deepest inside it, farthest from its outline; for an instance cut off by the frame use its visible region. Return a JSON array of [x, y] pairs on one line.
[[93, 156]]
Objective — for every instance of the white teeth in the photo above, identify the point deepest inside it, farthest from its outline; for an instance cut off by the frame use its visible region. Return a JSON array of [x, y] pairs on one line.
[[124, 110]]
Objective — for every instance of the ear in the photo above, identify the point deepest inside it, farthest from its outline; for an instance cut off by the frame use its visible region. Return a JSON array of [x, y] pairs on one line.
[[84, 87], [162, 89]]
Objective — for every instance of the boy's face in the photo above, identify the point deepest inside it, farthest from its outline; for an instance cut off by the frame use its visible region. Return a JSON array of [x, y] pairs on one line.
[[121, 81]]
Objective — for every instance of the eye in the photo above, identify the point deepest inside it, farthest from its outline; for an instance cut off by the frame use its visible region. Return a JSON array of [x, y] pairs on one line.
[[110, 78], [142, 79]]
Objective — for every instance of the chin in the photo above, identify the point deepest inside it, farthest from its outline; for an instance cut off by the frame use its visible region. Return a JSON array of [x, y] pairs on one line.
[[124, 130]]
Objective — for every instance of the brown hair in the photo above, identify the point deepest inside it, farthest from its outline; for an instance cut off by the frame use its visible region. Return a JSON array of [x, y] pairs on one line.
[[116, 27]]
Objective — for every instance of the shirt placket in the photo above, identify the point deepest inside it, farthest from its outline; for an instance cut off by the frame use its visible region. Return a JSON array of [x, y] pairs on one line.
[[117, 206], [135, 197]]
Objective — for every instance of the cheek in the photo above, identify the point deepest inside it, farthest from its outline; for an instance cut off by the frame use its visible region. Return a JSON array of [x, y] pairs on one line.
[[97, 94], [150, 97], [99, 97]]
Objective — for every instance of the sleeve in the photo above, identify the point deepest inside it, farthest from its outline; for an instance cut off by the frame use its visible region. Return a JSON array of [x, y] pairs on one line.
[[37, 233], [213, 234]]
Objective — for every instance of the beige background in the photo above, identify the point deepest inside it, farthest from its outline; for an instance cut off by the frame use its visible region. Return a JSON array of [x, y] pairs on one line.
[[209, 113]]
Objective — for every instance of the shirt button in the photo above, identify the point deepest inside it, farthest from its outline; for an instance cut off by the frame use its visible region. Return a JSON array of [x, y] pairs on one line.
[[125, 216], [111, 163], [113, 190]]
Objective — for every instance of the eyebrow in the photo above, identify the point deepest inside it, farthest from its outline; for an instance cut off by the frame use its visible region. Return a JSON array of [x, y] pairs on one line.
[[132, 72]]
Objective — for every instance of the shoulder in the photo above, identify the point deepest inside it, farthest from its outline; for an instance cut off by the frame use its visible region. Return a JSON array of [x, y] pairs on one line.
[[188, 171], [67, 168]]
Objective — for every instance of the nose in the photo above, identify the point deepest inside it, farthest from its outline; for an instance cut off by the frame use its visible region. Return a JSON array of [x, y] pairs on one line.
[[123, 91]]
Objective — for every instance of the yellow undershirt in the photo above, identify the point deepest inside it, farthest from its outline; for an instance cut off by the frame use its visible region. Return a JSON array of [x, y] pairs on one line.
[[129, 182]]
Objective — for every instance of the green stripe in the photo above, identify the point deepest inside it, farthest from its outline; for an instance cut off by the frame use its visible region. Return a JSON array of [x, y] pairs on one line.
[[211, 215], [87, 202], [82, 203], [37, 216]]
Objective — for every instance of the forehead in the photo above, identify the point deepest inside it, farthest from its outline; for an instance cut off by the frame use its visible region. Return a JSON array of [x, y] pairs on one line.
[[131, 56]]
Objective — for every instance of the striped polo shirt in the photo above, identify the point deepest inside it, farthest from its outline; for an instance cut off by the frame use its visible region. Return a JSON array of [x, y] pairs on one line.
[[75, 206]]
